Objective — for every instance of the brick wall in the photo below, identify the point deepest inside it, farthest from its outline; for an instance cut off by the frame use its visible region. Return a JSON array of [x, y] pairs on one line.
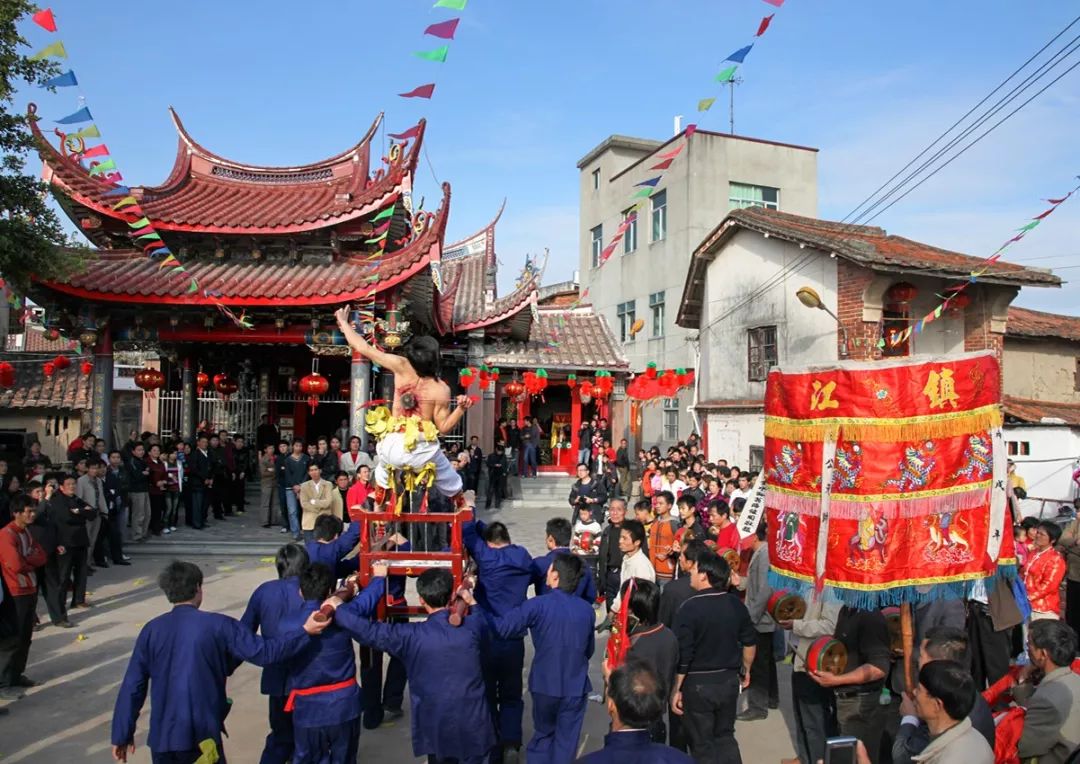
[[851, 281]]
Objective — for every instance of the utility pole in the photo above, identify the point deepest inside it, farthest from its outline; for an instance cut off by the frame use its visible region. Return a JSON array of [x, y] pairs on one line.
[[731, 107]]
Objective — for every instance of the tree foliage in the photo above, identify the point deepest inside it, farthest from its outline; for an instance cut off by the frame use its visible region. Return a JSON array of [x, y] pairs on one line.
[[32, 241]]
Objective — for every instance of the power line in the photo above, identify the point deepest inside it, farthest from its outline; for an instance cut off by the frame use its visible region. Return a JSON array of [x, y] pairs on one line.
[[986, 98]]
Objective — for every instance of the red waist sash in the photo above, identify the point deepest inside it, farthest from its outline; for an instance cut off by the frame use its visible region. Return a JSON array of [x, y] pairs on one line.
[[319, 690]]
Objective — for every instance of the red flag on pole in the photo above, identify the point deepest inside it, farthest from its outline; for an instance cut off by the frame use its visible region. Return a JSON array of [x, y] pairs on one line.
[[424, 91], [45, 20], [444, 29], [412, 132]]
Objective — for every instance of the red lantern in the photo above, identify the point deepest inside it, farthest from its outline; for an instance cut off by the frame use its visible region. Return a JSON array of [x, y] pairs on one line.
[[958, 303], [650, 370], [571, 381], [587, 390], [7, 375], [485, 377], [901, 293], [52, 334], [515, 389], [149, 380], [493, 375], [314, 385], [202, 379], [86, 368], [668, 384], [466, 376], [61, 362], [49, 368], [225, 385]]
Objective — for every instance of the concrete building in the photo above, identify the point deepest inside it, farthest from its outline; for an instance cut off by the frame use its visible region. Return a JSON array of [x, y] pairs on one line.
[[740, 298], [644, 277], [1042, 405]]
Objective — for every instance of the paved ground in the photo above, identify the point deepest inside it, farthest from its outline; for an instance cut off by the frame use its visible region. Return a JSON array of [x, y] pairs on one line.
[[66, 718]]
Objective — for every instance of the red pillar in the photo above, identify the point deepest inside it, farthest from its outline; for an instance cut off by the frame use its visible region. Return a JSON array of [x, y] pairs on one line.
[[575, 425]]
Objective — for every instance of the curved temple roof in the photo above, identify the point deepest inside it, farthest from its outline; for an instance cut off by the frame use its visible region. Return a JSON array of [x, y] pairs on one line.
[[207, 193], [129, 276]]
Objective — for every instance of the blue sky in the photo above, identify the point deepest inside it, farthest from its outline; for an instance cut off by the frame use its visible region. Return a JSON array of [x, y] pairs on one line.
[[530, 87]]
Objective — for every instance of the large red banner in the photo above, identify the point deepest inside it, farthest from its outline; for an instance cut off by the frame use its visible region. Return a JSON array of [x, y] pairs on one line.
[[881, 478]]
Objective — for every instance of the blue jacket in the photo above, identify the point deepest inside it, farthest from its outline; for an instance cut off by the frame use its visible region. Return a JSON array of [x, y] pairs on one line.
[[503, 575], [331, 553], [271, 602], [326, 659], [448, 707], [586, 588], [562, 633], [185, 656], [634, 747]]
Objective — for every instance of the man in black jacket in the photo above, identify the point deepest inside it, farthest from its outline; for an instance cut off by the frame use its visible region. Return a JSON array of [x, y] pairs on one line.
[[496, 466], [218, 484], [199, 479], [48, 575], [622, 466], [117, 485], [609, 560], [69, 514], [139, 493]]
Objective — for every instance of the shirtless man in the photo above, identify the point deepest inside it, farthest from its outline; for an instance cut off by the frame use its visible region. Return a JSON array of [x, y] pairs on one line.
[[419, 392]]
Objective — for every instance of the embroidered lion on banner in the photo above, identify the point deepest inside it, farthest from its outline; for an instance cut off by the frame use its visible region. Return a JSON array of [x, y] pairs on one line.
[[914, 468], [848, 470], [786, 465], [978, 459]]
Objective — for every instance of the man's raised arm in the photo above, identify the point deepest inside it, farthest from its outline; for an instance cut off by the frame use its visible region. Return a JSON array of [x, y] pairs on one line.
[[445, 419], [389, 361]]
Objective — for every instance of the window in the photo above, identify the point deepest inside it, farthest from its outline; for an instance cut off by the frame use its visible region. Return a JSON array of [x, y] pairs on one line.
[[630, 236], [596, 179], [742, 195], [656, 308], [1018, 447], [757, 459], [597, 245], [627, 315], [671, 418], [659, 215], [761, 352]]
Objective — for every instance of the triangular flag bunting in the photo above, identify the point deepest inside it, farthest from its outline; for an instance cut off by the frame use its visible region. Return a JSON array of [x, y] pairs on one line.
[[412, 132], [376, 239], [457, 5], [140, 223], [65, 80], [424, 91], [663, 165], [152, 236], [727, 75], [642, 193], [650, 181], [388, 212], [1062, 199], [56, 49], [740, 55], [384, 227], [82, 115], [444, 29], [777, 3], [127, 201], [1042, 215], [764, 25], [1029, 226], [438, 55], [88, 132], [705, 104], [95, 151], [194, 287], [45, 20], [100, 167], [674, 152]]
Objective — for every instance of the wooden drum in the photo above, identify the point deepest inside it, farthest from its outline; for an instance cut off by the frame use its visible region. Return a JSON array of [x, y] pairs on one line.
[[892, 621], [785, 606], [827, 654], [731, 557]]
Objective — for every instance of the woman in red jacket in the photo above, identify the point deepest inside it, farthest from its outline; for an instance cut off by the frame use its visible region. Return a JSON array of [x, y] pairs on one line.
[[1045, 572], [358, 493]]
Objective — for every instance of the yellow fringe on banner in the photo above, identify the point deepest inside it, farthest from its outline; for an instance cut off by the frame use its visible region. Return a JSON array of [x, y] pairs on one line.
[[908, 429]]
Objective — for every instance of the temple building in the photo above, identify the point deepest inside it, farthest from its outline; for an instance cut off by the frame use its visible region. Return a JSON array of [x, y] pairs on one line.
[[269, 254]]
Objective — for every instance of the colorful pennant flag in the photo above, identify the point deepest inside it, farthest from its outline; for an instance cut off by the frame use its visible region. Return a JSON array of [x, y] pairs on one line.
[[87, 132], [140, 223], [764, 25], [376, 240], [424, 91], [650, 182], [663, 165], [412, 132], [387, 213], [457, 5], [444, 29], [776, 3], [438, 55], [643, 193], [101, 150], [127, 201], [82, 115], [740, 55], [705, 104], [690, 130], [101, 167], [45, 20], [727, 75], [674, 152], [65, 80], [55, 49]]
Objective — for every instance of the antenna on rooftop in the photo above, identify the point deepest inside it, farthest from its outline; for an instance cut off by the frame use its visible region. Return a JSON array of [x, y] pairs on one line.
[[678, 123], [731, 83]]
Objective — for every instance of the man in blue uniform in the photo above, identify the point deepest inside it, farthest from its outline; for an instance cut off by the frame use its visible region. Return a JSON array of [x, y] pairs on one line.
[[635, 702], [324, 698], [450, 716], [504, 571], [561, 623], [557, 536], [185, 656], [330, 546], [268, 605]]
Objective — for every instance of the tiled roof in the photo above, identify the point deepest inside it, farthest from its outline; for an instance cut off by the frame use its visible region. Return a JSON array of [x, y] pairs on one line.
[[1034, 323], [32, 340], [131, 277], [869, 246], [207, 193], [66, 389], [563, 339], [1028, 410]]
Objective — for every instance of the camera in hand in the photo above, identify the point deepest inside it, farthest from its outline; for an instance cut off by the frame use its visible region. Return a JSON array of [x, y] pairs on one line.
[[840, 750]]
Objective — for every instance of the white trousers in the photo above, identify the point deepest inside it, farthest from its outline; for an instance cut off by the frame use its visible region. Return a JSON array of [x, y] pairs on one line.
[[392, 453]]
